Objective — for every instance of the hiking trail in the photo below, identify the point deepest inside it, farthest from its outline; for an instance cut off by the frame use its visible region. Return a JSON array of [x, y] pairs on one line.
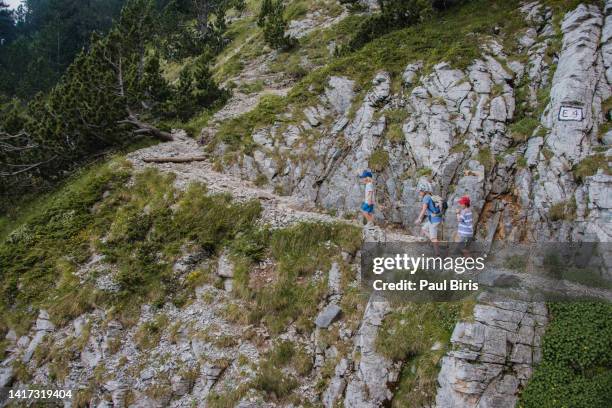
[[277, 211]]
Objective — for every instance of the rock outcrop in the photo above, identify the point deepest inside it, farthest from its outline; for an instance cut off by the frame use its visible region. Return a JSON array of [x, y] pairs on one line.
[[492, 357]]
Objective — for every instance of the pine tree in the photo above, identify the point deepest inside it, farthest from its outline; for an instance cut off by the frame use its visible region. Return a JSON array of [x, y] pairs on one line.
[[183, 103], [155, 88], [206, 91], [7, 24], [274, 25]]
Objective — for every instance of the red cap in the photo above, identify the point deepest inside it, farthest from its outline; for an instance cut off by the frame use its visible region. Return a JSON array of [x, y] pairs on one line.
[[465, 200]]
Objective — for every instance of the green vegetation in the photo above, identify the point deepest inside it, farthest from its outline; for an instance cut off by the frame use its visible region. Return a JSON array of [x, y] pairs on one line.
[[409, 333], [300, 251], [149, 334], [113, 92], [379, 160], [590, 165], [133, 226], [486, 158], [274, 25], [395, 121], [31, 59], [523, 129], [565, 210], [270, 378], [576, 367], [237, 132]]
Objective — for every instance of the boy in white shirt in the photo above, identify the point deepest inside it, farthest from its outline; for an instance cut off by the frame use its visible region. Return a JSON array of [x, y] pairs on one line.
[[367, 208]]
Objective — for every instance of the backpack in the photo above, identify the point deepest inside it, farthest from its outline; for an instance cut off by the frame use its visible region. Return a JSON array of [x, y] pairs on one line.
[[439, 205]]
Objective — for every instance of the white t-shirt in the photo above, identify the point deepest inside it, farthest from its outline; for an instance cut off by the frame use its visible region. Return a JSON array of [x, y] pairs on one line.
[[369, 193]]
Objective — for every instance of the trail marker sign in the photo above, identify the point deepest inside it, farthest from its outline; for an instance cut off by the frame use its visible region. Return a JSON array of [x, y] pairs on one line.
[[570, 113]]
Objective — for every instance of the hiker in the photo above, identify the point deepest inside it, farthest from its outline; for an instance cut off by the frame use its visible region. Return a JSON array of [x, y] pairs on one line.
[[433, 210], [367, 208], [465, 226]]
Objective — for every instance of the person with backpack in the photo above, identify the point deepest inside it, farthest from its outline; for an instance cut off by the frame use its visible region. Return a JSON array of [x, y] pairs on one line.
[[367, 207], [432, 207]]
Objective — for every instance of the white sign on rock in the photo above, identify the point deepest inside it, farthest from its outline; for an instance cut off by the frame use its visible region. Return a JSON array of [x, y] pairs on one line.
[[570, 113]]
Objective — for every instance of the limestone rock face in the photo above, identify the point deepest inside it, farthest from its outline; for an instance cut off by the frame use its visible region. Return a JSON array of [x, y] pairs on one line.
[[574, 83], [492, 356], [455, 123], [369, 386]]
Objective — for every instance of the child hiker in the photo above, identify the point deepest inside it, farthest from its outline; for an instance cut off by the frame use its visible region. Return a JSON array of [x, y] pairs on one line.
[[433, 211], [367, 208], [465, 226]]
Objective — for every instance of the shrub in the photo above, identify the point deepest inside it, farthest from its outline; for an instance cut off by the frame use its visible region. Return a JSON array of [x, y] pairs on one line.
[[274, 25], [523, 129], [590, 165], [565, 210], [576, 368], [379, 160], [273, 381]]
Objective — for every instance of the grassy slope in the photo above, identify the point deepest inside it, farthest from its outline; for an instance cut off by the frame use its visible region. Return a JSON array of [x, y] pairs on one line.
[[454, 36]]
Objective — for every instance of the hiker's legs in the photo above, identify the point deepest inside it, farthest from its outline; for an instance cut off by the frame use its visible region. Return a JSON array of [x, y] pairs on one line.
[[368, 212], [465, 243], [433, 236]]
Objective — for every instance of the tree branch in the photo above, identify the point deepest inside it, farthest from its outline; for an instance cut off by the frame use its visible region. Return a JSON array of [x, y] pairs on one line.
[[146, 128]]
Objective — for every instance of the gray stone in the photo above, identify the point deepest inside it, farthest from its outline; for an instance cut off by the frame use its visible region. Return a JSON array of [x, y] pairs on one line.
[[340, 94], [6, 376], [11, 336], [380, 91], [43, 323], [312, 116], [36, 340], [23, 342], [327, 316], [180, 385], [607, 138], [147, 374], [574, 83], [225, 267], [410, 74]]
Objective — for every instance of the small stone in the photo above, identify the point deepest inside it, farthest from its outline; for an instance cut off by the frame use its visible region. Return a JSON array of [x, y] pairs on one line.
[[327, 316], [43, 323], [147, 374], [11, 336], [228, 284], [225, 267], [180, 385]]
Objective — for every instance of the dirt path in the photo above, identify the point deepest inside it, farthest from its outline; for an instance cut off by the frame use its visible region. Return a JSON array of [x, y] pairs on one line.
[[278, 211]]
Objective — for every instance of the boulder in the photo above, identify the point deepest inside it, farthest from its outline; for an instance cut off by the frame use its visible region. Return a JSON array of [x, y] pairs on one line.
[[327, 316]]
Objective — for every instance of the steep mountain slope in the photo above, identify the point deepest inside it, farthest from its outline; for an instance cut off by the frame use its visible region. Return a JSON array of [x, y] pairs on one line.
[[235, 281]]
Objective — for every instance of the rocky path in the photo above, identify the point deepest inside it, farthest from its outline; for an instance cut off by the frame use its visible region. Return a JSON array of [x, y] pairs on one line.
[[278, 211]]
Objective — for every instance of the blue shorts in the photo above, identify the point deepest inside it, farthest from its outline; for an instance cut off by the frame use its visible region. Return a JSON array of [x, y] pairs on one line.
[[365, 207]]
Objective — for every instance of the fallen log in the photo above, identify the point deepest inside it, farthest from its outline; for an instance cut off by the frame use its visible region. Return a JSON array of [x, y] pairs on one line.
[[145, 128], [184, 159]]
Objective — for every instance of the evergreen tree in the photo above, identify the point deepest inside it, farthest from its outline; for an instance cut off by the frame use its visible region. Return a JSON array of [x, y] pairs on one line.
[[264, 11], [47, 37], [155, 88], [274, 24], [206, 92], [7, 24], [96, 105], [183, 105]]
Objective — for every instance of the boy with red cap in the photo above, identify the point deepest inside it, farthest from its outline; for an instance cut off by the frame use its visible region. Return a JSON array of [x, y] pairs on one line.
[[465, 228]]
